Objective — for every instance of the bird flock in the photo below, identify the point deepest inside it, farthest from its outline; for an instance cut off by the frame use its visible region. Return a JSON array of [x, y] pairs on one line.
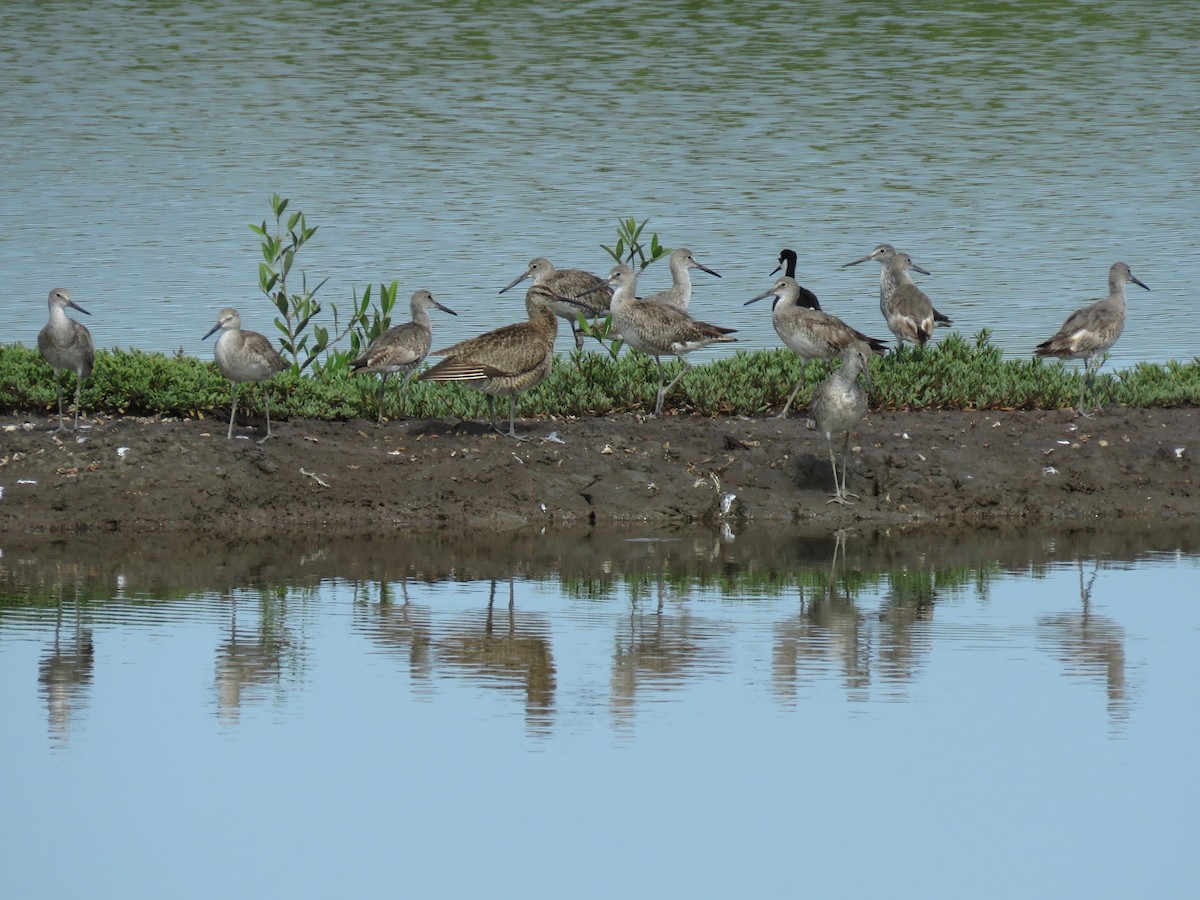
[[514, 358]]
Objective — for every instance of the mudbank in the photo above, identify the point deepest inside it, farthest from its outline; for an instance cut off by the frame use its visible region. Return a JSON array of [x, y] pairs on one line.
[[138, 475]]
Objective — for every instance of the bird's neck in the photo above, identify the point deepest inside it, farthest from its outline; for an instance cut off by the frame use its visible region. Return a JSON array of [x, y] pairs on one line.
[[625, 293], [681, 277]]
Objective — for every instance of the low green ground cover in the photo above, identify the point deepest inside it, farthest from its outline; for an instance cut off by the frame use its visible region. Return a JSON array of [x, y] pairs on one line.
[[952, 374]]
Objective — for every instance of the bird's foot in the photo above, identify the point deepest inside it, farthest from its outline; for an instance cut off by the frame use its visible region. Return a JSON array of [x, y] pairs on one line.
[[512, 433]]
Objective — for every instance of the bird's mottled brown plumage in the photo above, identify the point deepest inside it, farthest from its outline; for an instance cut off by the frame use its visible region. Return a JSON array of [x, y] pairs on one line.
[[506, 361], [570, 284], [657, 329]]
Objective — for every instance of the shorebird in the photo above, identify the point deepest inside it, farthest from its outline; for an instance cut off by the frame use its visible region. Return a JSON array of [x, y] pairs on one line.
[[909, 311], [787, 262], [657, 329], [66, 344], [1091, 331], [569, 283], [889, 283], [838, 404], [679, 294], [810, 333], [508, 360], [402, 348], [243, 356]]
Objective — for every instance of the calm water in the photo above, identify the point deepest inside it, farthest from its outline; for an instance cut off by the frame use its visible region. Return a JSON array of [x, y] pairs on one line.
[[597, 714], [1015, 149]]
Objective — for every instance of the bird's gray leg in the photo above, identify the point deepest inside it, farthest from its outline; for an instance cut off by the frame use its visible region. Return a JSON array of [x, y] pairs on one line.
[[232, 409]]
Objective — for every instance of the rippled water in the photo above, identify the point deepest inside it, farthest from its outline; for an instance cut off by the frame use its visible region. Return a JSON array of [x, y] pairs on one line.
[[593, 714], [1015, 150]]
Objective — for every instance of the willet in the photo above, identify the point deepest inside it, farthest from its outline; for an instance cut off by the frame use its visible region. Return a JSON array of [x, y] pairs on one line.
[[657, 329], [787, 262], [889, 282], [810, 333], [66, 344], [909, 311], [569, 283], [679, 294], [838, 404], [243, 356], [402, 348], [1091, 331], [508, 360]]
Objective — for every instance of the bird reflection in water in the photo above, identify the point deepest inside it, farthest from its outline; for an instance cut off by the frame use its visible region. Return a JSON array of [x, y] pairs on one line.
[[1092, 648], [905, 638], [65, 674], [657, 649], [506, 651], [829, 631], [401, 629], [830, 634], [251, 658]]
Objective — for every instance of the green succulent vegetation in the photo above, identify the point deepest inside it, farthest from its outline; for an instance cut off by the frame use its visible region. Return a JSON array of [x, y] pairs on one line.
[[954, 373]]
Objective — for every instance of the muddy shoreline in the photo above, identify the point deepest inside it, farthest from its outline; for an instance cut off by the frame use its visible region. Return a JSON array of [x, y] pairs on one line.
[[134, 475]]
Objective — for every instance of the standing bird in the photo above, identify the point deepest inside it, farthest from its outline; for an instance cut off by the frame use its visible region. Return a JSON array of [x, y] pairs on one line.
[[402, 348], [1091, 331], [885, 254], [243, 356], [838, 404], [787, 262], [66, 344], [810, 333], [679, 294], [569, 283], [657, 329], [909, 311], [508, 360]]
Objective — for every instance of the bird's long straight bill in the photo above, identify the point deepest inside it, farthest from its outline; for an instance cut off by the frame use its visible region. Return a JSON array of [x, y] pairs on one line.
[[512, 284], [912, 265], [763, 296]]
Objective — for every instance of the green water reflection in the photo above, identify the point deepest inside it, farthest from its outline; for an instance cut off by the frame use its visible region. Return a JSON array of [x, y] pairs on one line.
[[712, 708], [671, 600]]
